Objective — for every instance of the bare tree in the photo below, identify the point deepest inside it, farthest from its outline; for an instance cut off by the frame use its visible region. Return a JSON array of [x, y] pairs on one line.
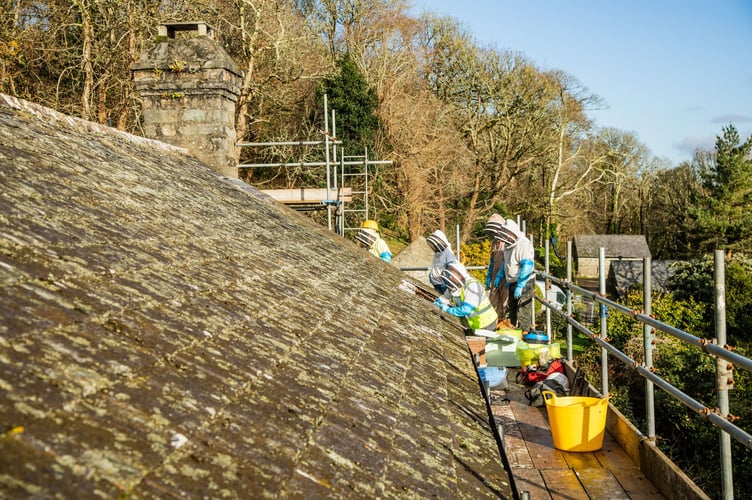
[[669, 220], [282, 61], [418, 127], [502, 105], [350, 25], [77, 54], [610, 168], [560, 175]]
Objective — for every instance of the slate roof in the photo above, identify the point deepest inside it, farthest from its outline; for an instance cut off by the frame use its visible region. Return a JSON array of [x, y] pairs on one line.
[[165, 332], [615, 245]]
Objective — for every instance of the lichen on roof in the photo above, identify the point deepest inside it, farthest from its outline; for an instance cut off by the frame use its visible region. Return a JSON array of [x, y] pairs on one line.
[[167, 332]]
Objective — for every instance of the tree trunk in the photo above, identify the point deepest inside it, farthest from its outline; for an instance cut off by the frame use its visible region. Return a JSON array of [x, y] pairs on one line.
[[472, 212], [86, 55]]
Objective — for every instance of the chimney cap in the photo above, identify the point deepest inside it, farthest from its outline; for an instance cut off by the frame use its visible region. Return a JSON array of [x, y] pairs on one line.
[[169, 29]]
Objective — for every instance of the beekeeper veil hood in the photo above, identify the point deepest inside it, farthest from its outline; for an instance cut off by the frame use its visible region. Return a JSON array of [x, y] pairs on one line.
[[438, 241], [509, 233], [454, 276], [494, 225]]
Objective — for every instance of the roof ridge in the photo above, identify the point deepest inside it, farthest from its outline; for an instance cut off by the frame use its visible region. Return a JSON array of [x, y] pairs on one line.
[[45, 112]]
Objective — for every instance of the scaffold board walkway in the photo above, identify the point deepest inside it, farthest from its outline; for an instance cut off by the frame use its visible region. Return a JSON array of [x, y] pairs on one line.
[[543, 472]]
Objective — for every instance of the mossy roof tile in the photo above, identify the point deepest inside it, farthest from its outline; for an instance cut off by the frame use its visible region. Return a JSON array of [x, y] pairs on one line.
[[168, 332]]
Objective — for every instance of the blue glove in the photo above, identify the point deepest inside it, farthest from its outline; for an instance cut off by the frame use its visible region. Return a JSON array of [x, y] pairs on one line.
[[526, 271], [437, 302], [517, 292], [497, 281]]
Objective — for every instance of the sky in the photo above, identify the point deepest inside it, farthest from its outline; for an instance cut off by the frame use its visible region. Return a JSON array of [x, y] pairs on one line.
[[673, 72]]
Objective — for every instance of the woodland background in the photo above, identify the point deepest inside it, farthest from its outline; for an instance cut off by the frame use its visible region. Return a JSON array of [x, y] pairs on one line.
[[471, 130]]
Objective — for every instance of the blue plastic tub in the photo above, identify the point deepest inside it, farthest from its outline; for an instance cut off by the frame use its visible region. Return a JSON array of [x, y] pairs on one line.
[[495, 376], [535, 337]]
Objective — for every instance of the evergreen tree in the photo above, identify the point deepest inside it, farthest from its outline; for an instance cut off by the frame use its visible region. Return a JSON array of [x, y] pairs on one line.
[[355, 105], [720, 208]]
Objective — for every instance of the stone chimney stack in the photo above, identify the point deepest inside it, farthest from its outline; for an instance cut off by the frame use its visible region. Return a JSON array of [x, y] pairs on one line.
[[189, 86]]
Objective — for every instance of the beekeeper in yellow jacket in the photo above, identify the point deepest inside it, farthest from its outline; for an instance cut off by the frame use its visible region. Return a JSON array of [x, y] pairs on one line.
[[466, 298], [368, 236]]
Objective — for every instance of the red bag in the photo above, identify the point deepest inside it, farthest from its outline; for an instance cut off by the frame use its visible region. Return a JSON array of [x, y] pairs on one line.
[[531, 374]]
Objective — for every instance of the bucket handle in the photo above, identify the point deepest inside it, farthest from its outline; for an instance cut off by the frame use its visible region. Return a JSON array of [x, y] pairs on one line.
[[551, 395]]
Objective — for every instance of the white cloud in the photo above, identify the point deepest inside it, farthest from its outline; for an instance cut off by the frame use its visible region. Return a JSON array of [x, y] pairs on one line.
[[689, 144]]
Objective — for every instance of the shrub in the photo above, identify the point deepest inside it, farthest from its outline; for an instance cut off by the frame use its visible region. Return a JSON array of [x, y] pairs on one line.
[[477, 254]]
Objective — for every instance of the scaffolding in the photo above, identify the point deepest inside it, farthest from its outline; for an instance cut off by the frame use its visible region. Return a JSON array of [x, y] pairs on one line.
[[337, 191], [355, 178]]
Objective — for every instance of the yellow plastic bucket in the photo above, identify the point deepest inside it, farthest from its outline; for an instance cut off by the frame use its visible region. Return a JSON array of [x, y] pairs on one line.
[[577, 423]]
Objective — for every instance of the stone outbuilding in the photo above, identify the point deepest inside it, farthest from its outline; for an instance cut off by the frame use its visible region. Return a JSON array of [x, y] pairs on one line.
[[167, 332], [416, 258], [625, 275], [617, 247]]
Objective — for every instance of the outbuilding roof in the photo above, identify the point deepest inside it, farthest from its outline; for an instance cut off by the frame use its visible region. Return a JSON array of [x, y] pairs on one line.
[[616, 246], [166, 332]]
